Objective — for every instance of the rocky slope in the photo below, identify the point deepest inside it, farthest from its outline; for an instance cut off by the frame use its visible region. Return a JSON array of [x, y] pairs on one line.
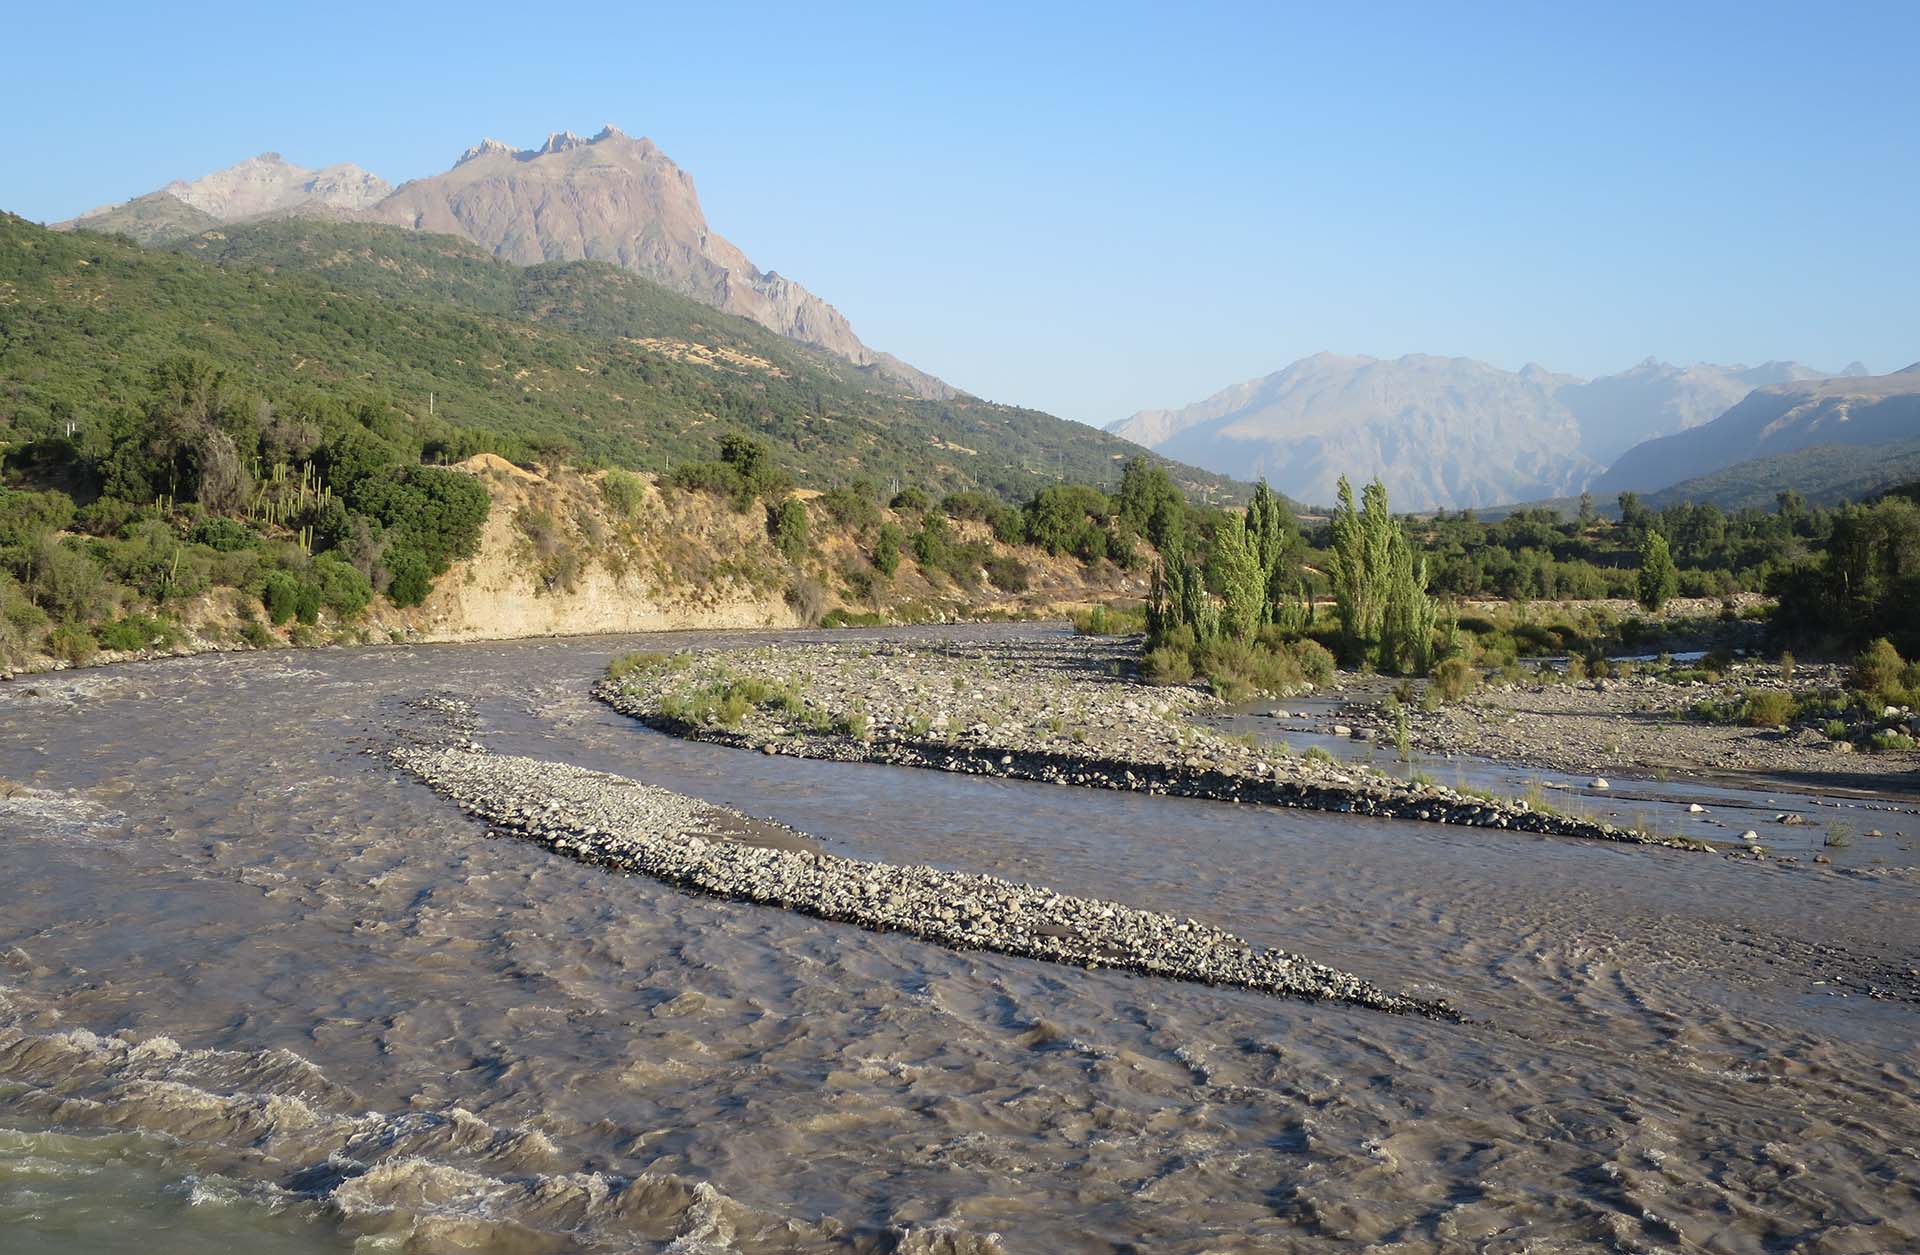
[[1781, 419], [1442, 432]]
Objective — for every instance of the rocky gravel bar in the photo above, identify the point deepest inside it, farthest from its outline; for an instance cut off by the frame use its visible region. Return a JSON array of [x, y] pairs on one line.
[[626, 826], [1056, 711]]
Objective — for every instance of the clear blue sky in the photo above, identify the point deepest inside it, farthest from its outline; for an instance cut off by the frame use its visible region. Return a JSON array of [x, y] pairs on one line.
[[1094, 210]]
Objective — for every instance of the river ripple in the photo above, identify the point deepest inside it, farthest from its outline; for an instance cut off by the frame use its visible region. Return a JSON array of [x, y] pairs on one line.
[[335, 971]]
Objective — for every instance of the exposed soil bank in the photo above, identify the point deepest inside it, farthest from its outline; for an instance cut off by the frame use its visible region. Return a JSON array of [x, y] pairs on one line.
[[627, 826], [1057, 711]]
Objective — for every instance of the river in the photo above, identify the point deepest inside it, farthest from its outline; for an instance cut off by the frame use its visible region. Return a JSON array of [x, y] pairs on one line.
[[260, 991]]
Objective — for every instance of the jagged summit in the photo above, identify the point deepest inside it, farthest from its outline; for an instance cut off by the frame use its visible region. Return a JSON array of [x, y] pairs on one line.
[[481, 149]]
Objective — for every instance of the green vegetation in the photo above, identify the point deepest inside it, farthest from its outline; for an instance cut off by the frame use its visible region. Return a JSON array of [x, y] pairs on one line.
[[197, 482], [1659, 579]]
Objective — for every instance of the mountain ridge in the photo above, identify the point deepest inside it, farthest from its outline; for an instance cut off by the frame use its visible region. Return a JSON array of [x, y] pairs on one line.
[[608, 198], [1443, 432]]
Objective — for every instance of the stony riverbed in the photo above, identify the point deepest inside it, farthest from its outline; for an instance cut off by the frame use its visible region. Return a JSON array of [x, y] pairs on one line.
[[627, 826], [1064, 711], [1646, 724]]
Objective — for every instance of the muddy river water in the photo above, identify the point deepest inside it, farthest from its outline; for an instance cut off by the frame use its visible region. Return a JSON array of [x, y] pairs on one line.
[[260, 991]]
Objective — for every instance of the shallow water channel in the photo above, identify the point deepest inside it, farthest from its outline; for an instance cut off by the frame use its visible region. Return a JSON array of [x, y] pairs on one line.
[[260, 991]]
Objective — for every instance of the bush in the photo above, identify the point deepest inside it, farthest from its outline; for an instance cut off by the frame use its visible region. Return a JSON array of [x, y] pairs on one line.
[[223, 535], [1453, 679], [342, 588], [886, 549], [1766, 708], [1886, 740], [280, 596], [1167, 664], [1314, 659], [787, 527], [1007, 573], [1110, 621], [911, 499], [135, 631], [1877, 672], [436, 514], [624, 493], [807, 599], [72, 643], [645, 663], [410, 577]]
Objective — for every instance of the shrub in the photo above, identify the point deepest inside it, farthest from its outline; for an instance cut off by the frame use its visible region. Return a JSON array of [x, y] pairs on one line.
[[1766, 708], [1877, 671], [1453, 679], [854, 724], [787, 527], [1110, 621], [624, 493], [645, 663], [135, 631], [1167, 664], [1786, 667], [911, 499], [223, 535], [886, 549], [1315, 660], [342, 588], [72, 643], [280, 596], [853, 507], [1007, 573], [437, 514], [807, 599], [410, 577], [1835, 729], [1886, 740]]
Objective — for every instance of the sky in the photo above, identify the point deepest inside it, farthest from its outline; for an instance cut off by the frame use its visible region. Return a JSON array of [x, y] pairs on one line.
[[1103, 208]]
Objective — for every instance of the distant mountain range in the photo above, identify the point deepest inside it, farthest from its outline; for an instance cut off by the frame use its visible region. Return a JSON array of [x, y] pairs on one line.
[[609, 198], [1867, 412], [1446, 433]]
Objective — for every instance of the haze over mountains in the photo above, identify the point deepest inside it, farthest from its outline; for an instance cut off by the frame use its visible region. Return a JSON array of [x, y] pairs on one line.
[[1453, 432], [609, 198]]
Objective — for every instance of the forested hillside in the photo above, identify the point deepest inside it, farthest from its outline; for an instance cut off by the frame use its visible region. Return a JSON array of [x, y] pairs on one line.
[[579, 362]]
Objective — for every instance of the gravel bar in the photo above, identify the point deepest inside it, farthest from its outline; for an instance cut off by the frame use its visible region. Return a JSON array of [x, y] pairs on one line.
[[626, 826], [1059, 712]]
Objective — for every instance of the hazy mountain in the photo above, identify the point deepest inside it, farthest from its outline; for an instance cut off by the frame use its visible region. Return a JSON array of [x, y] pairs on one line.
[[609, 198], [255, 188], [1442, 432], [156, 218], [1654, 399], [1775, 420], [1438, 431]]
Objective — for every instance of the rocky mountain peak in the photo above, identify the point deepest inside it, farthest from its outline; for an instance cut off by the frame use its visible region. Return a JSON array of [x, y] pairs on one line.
[[562, 141], [482, 149]]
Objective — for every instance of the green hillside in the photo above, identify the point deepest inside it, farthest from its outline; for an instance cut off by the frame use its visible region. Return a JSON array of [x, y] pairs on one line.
[[577, 362], [1823, 475]]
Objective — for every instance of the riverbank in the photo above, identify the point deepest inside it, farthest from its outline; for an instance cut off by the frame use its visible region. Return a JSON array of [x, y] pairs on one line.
[[626, 826], [1063, 711]]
